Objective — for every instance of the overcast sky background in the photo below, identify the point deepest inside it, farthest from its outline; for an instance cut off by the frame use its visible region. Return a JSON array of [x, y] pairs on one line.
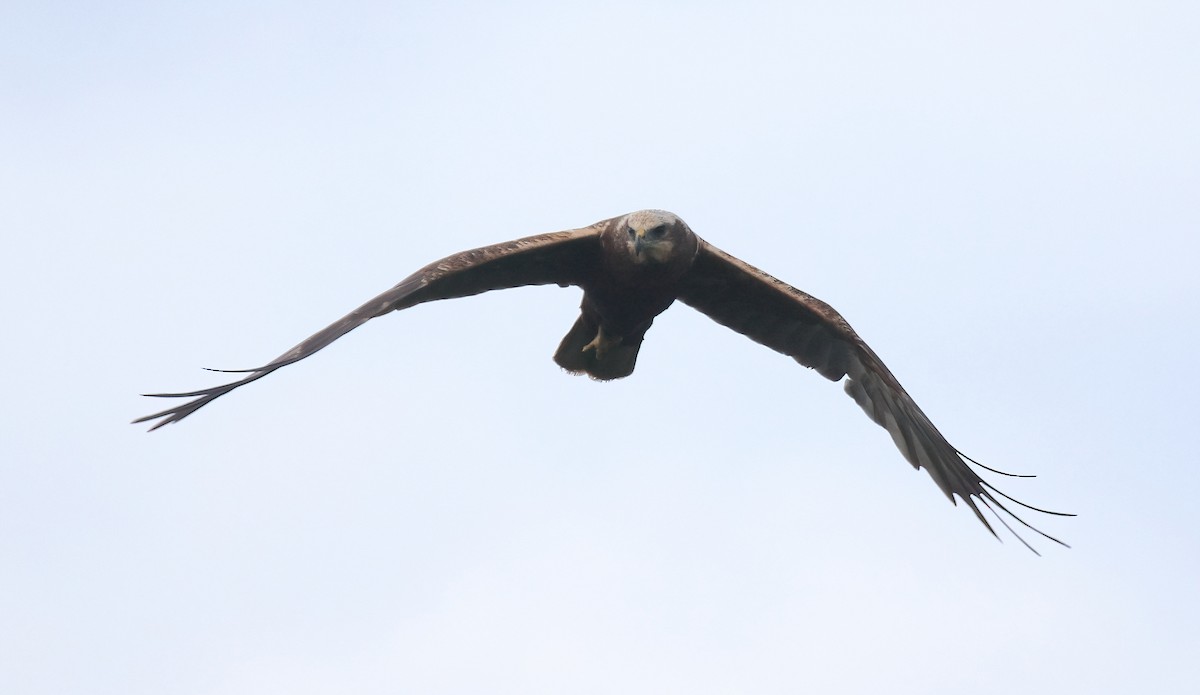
[[1001, 198]]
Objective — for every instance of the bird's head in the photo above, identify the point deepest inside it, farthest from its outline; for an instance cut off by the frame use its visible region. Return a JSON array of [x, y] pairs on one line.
[[654, 236]]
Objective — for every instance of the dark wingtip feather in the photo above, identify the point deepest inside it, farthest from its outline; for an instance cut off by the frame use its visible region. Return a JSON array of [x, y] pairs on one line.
[[1023, 504], [995, 506], [1019, 520], [201, 398], [995, 470], [988, 501], [970, 501]]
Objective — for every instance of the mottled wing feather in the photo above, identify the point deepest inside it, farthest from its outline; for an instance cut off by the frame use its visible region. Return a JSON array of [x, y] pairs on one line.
[[781, 317], [562, 258]]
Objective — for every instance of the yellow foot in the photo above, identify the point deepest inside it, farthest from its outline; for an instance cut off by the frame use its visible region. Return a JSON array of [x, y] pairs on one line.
[[601, 343]]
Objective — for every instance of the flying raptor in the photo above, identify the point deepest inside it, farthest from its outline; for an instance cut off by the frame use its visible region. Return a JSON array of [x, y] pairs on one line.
[[631, 268]]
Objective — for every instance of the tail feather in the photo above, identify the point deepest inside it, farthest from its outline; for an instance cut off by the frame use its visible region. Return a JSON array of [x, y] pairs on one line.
[[618, 361]]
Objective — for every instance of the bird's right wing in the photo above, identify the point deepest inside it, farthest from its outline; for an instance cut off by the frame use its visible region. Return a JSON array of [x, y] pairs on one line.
[[562, 258], [773, 313]]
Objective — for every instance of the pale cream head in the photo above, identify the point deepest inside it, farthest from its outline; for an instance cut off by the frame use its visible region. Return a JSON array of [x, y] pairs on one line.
[[651, 235]]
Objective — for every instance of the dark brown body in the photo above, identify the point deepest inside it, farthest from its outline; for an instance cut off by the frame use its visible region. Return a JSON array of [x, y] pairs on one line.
[[643, 259]]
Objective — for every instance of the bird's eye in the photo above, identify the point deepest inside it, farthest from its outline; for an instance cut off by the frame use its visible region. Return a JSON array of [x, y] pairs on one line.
[[632, 233], [658, 231]]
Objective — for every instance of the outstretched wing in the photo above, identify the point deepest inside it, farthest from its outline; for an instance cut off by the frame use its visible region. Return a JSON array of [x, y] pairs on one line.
[[562, 258], [773, 313]]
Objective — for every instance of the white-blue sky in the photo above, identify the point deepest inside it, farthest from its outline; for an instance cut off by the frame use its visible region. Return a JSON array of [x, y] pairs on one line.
[[1000, 197]]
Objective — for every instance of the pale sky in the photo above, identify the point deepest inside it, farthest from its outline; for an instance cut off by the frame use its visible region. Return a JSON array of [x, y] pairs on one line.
[[1000, 197]]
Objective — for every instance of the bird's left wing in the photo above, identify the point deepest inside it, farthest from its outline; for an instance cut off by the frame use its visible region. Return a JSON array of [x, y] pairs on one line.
[[562, 258], [773, 313]]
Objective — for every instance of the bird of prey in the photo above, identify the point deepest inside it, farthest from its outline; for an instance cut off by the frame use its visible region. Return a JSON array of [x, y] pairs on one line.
[[631, 268]]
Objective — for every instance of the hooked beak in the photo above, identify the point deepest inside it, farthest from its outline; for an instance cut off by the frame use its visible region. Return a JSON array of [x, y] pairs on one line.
[[639, 242]]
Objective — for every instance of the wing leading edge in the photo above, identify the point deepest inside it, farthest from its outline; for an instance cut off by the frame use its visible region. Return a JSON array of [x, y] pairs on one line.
[[771, 312], [562, 258]]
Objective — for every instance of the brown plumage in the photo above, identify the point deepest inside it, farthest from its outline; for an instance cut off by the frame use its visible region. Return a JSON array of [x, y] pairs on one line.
[[631, 268]]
